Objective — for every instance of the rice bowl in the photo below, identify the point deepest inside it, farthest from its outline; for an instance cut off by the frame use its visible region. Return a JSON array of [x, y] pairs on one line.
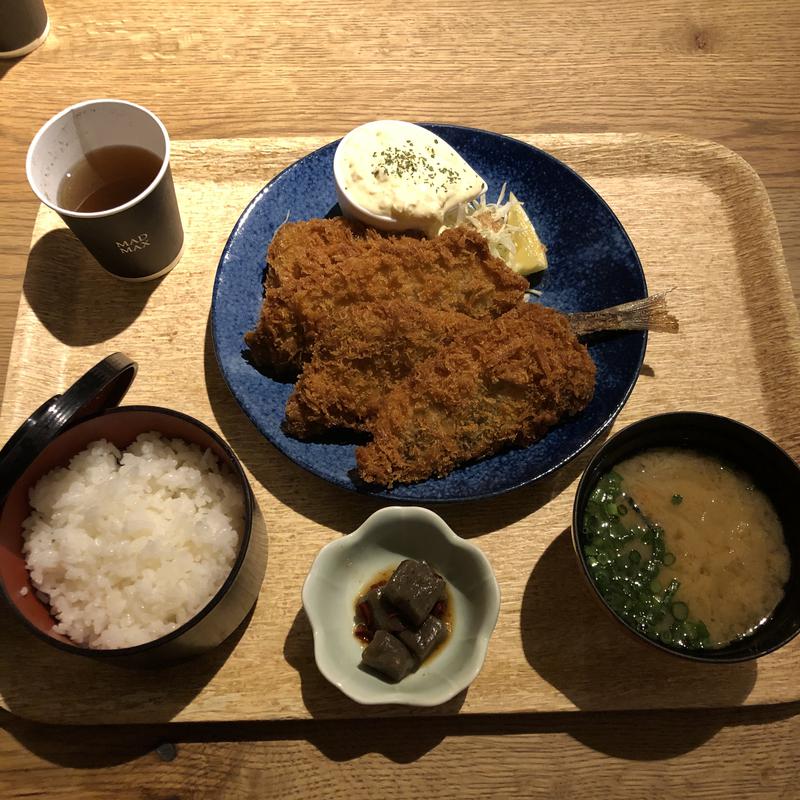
[[126, 547], [226, 610]]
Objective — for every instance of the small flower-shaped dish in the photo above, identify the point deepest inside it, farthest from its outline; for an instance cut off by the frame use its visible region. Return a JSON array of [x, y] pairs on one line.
[[344, 568]]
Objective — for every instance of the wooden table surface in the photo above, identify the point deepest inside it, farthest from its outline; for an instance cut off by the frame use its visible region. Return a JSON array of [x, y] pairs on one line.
[[722, 71]]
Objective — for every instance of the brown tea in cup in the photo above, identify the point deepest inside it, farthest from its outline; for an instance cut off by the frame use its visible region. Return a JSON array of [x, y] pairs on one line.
[[107, 177]]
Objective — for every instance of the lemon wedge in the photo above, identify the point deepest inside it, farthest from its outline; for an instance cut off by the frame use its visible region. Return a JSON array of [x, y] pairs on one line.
[[530, 254]]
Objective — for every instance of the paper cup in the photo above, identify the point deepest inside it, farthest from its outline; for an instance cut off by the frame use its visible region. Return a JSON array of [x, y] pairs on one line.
[[139, 240], [23, 27]]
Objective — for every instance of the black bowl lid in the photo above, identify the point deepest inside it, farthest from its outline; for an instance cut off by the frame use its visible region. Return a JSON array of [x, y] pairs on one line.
[[102, 387]]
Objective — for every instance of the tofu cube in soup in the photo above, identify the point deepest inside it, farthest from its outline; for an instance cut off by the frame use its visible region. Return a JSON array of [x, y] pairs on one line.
[[388, 655], [383, 617], [414, 589], [422, 642]]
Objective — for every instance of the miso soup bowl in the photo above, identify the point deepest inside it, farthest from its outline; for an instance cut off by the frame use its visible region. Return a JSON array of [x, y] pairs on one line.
[[772, 470], [214, 622], [346, 566]]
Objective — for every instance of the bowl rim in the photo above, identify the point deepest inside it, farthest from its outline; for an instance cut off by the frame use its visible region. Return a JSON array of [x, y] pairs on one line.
[[244, 543], [586, 483], [381, 695]]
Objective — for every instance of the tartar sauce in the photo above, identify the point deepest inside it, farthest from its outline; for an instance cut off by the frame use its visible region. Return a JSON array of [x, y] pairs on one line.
[[403, 176]]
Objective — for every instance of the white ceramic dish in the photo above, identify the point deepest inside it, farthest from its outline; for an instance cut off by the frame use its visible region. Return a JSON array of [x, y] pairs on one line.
[[344, 567], [350, 208]]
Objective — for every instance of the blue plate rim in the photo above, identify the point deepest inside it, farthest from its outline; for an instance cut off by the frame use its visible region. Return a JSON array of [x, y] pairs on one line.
[[435, 499]]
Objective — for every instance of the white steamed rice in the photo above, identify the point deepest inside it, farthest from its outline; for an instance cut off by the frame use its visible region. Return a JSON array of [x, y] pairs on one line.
[[128, 546]]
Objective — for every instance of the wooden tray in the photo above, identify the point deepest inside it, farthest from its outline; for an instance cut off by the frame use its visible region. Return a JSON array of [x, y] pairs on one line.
[[700, 219]]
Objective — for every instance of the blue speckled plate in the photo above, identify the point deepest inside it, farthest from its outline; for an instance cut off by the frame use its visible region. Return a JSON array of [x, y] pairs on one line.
[[592, 265]]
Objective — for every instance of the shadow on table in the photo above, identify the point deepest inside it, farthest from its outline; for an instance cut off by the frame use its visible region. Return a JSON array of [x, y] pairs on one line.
[[74, 297], [6, 65], [572, 642], [79, 683], [325, 701], [342, 510], [633, 736]]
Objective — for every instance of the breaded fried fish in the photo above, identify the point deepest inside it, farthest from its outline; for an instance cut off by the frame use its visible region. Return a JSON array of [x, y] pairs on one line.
[[454, 271], [306, 249], [365, 350], [506, 384]]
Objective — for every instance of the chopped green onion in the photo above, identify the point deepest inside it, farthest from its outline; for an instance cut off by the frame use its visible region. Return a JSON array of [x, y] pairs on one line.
[[597, 494], [618, 531], [680, 610], [677, 499], [672, 588], [625, 562]]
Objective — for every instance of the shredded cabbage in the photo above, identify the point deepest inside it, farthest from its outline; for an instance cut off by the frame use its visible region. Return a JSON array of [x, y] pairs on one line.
[[491, 220]]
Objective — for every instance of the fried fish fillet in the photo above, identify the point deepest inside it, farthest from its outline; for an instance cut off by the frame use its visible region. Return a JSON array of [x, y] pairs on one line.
[[365, 350], [303, 249], [506, 384], [454, 271]]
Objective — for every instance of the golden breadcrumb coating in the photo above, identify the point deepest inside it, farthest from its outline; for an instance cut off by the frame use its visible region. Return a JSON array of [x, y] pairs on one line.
[[506, 384], [365, 350], [454, 271], [303, 249]]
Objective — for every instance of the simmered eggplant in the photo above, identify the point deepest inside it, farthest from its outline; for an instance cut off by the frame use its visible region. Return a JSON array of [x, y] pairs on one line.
[[388, 655], [414, 589], [422, 642]]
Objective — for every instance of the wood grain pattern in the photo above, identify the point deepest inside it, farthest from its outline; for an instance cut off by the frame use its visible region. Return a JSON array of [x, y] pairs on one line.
[[716, 363], [723, 71], [670, 756]]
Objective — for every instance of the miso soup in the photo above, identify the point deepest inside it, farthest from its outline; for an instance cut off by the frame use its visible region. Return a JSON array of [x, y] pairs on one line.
[[685, 548]]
